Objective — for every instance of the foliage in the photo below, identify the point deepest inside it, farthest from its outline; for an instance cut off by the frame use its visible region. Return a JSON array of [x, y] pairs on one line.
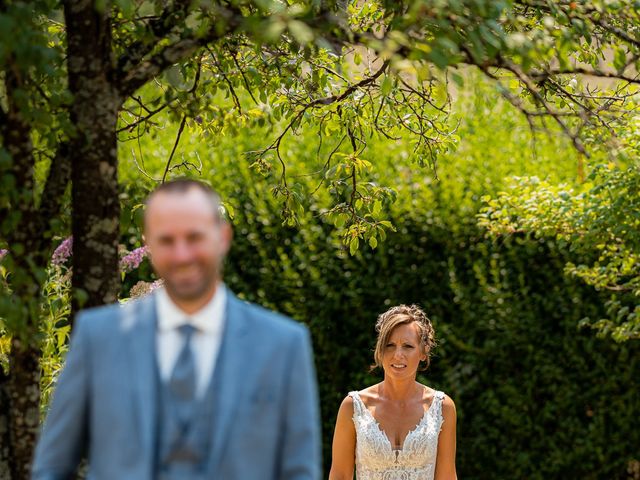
[[5, 342], [388, 78], [55, 328], [596, 220], [56, 312], [526, 380], [372, 69]]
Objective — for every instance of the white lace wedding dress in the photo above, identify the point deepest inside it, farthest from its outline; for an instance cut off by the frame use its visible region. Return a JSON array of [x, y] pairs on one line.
[[377, 460]]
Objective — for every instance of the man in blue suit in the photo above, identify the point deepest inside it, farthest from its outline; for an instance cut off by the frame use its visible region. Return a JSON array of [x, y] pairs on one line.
[[189, 382]]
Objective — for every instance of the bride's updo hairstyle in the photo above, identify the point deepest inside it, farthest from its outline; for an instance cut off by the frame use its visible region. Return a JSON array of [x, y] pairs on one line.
[[402, 315]]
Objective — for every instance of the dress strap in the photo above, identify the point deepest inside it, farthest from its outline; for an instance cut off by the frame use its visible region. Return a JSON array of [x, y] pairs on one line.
[[438, 397], [359, 407]]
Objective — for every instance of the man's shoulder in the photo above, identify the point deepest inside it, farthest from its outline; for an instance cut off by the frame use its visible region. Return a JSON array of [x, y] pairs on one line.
[[96, 316], [114, 316]]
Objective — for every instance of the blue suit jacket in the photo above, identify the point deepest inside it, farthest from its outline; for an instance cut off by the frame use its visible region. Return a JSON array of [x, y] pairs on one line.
[[266, 423]]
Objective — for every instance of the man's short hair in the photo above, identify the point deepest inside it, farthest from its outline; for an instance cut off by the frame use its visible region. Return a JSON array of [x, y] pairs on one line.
[[184, 185]]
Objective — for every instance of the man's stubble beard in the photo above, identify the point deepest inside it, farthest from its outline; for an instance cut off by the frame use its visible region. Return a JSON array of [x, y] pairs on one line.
[[197, 293]]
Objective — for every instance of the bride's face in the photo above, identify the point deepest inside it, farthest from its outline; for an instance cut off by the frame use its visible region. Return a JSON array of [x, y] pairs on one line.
[[403, 352]]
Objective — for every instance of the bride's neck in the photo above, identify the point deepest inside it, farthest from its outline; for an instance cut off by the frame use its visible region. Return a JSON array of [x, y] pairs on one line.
[[397, 389]]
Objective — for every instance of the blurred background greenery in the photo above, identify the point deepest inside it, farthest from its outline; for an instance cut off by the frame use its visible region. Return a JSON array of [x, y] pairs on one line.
[[539, 395]]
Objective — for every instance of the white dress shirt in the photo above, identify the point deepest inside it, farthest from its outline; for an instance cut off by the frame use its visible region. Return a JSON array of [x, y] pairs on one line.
[[205, 342]]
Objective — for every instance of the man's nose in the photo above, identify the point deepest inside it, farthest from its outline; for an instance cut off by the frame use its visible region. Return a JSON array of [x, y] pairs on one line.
[[181, 251]]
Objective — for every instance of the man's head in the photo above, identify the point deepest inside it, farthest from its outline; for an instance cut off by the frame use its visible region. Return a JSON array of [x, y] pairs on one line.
[[187, 238]]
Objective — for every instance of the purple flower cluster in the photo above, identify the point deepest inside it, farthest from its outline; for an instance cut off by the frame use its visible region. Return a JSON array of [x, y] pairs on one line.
[[3, 252], [133, 259], [63, 252]]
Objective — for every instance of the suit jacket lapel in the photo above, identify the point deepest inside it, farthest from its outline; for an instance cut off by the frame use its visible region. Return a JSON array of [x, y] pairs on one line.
[[228, 376], [142, 350]]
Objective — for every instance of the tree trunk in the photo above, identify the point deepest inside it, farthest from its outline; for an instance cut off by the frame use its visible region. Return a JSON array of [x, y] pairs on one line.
[[5, 440], [20, 389], [94, 160], [19, 411], [23, 394]]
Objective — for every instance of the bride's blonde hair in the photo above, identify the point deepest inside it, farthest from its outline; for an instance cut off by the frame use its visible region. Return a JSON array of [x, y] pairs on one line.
[[403, 315]]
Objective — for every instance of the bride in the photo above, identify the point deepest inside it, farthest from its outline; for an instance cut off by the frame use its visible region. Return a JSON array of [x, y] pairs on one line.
[[397, 429]]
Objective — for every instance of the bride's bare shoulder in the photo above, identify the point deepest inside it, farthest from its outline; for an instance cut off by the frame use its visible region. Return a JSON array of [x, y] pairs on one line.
[[347, 406], [448, 405], [370, 395], [429, 395]]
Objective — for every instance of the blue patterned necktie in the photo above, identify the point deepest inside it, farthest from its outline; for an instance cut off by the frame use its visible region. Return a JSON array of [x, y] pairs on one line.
[[182, 382], [182, 388]]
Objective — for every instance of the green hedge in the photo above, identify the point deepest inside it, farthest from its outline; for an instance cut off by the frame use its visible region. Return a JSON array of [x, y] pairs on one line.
[[537, 398]]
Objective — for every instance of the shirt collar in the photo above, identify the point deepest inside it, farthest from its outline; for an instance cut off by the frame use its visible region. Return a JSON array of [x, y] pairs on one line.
[[208, 319]]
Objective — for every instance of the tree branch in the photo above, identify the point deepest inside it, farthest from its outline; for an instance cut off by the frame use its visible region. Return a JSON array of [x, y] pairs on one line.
[[236, 100], [175, 146], [320, 101], [534, 91], [537, 75], [244, 78], [621, 34], [159, 26], [140, 120], [348, 91], [129, 81]]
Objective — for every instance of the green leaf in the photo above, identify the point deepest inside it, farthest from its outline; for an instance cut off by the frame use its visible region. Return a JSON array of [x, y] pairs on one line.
[[127, 7], [620, 59], [228, 210], [174, 76], [353, 245], [300, 31], [387, 85], [457, 78], [439, 58]]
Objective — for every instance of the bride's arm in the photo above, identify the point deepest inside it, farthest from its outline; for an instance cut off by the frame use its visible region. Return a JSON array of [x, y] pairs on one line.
[[446, 459], [344, 443]]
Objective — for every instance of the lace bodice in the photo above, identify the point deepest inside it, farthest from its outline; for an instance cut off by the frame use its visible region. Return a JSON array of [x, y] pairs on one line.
[[377, 460]]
